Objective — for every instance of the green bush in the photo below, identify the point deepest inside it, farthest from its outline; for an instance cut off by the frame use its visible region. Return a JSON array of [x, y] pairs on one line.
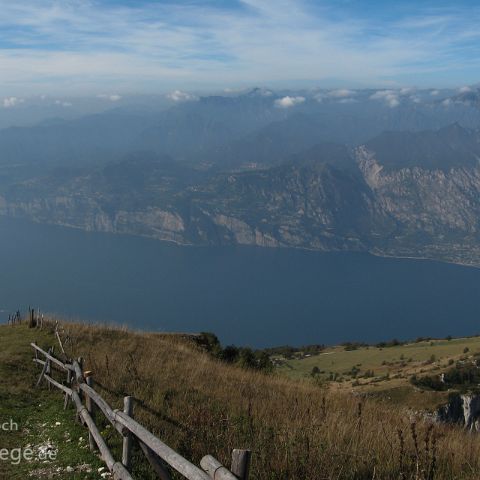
[[461, 376]]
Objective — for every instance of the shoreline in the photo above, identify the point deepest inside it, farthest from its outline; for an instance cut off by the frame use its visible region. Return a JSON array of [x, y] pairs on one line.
[[279, 246]]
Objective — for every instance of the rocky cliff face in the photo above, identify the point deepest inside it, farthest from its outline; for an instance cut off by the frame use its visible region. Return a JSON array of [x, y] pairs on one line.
[[462, 410], [436, 212], [332, 199]]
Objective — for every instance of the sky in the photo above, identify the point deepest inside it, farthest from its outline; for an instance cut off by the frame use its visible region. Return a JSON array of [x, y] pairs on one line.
[[117, 47]]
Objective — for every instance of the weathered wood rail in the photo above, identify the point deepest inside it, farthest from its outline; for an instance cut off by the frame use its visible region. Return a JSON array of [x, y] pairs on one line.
[[78, 387]]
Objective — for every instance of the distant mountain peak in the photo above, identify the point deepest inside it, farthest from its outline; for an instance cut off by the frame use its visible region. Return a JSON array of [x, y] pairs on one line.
[[454, 128], [259, 92], [452, 146]]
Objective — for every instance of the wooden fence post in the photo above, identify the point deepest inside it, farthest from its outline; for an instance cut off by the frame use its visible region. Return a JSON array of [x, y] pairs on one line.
[[44, 369], [80, 364], [127, 439], [49, 369], [80, 393], [36, 356], [59, 341], [155, 462], [69, 385], [90, 410], [241, 463]]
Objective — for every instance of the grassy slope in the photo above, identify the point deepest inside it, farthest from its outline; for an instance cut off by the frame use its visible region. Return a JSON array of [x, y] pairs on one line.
[[296, 429], [37, 412], [399, 363]]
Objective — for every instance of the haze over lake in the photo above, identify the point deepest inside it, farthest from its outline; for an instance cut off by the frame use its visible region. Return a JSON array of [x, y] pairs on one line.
[[246, 295]]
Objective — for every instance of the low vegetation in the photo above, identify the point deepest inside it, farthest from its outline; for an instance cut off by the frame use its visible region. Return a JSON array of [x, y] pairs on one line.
[[197, 399], [35, 420], [464, 376], [385, 369], [240, 356], [297, 428]]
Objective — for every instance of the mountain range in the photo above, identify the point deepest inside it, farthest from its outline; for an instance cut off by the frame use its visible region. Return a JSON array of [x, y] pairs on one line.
[[322, 173]]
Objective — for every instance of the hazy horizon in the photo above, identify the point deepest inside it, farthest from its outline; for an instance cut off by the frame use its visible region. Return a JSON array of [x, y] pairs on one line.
[[18, 110]]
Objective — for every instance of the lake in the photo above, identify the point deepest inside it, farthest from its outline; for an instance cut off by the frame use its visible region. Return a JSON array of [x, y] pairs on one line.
[[246, 295]]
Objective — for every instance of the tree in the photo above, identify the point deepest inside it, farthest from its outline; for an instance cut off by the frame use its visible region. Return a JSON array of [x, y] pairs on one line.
[[209, 341], [229, 354], [246, 358], [263, 361]]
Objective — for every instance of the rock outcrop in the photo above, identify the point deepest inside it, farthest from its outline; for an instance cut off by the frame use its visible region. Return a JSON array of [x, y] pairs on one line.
[[462, 410]]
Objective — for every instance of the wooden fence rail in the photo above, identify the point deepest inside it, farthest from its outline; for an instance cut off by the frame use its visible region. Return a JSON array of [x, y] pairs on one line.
[[79, 387]]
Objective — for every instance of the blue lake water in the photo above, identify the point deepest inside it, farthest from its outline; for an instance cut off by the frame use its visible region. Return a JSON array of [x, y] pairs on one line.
[[246, 295]]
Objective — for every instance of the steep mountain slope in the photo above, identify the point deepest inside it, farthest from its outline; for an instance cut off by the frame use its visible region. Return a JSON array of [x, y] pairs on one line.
[[449, 147], [88, 140], [351, 123], [414, 194]]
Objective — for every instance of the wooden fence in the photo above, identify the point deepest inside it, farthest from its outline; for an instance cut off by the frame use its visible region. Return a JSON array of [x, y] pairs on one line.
[[78, 388], [35, 319]]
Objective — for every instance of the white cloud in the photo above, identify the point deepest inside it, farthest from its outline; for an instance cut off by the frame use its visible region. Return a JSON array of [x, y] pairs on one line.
[[434, 93], [447, 102], [381, 94], [465, 89], [10, 102], [390, 97], [112, 98], [393, 102], [287, 102], [179, 96], [152, 46], [341, 93], [236, 90]]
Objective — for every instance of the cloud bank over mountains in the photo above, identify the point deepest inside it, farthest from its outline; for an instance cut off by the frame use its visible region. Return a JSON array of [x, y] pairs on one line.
[[287, 102]]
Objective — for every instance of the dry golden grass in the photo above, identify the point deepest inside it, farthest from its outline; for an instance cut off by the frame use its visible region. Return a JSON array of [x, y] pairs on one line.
[[296, 429]]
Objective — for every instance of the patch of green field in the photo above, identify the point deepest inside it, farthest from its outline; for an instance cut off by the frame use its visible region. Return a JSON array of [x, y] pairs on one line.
[[380, 361], [43, 425]]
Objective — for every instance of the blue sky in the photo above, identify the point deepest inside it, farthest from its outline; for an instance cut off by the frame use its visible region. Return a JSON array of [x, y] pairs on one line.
[[77, 47]]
